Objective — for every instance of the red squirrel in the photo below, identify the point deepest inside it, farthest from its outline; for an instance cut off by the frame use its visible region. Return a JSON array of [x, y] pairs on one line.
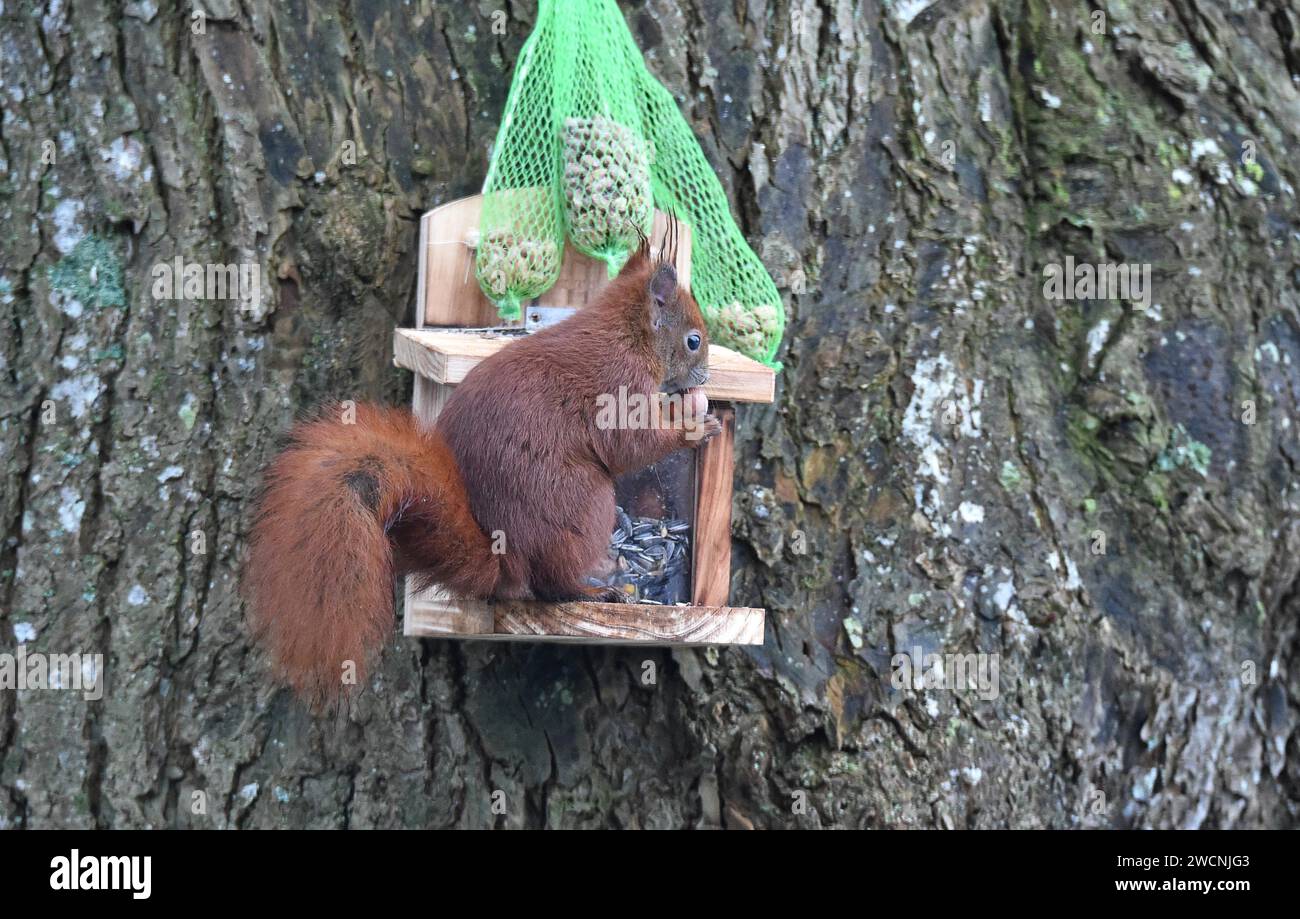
[[518, 462]]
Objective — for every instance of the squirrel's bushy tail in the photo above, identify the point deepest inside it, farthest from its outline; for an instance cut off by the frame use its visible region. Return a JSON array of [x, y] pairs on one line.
[[359, 495]]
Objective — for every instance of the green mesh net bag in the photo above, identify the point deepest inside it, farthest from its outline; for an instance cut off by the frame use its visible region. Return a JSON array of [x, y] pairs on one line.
[[590, 144], [521, 229]]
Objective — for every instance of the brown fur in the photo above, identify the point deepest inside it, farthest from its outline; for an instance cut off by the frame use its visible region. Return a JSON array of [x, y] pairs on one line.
[[516, 450]]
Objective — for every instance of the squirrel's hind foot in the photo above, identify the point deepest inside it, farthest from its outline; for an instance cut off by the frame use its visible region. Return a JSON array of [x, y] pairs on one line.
[[588, 594], [608, 595]]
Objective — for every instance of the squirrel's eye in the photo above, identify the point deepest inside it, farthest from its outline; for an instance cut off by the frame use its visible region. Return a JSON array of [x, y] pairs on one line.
[[693, 341]]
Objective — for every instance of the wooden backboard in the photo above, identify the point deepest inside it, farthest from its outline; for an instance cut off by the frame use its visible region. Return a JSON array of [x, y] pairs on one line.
[[450, 294]]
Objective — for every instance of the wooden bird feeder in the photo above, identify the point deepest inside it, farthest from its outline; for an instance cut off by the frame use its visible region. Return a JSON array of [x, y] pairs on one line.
[[680, 507]]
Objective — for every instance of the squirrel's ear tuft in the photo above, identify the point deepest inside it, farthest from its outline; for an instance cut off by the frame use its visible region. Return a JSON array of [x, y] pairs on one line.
[[643, 242], [668, 246], [638, 256]]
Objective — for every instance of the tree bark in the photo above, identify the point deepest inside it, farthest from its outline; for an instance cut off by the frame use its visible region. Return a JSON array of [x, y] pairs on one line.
[[948, 450]]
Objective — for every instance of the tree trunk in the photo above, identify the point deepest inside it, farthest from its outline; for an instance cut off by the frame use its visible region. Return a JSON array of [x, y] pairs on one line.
[[1097, 499]]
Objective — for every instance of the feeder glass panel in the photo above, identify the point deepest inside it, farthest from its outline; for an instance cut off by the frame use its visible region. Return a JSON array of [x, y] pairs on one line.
[[650, 548]]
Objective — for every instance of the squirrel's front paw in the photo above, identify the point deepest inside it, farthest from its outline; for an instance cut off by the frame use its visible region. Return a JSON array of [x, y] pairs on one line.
[[705, 430]]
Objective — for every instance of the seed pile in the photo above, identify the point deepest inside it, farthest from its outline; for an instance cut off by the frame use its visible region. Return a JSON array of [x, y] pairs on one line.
[[745, 330], [508, 263], [650, 554], [606, 184]]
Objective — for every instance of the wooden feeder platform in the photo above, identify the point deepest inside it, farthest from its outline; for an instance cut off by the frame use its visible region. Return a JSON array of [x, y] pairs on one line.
[[457, 326]]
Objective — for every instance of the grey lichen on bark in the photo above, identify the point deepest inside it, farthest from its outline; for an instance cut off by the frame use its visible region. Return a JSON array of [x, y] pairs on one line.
[[946, 445]]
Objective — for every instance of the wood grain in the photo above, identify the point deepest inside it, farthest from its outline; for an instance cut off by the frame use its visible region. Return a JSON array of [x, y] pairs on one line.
[[451, 295], [711, 538], [428, 399], [421, 287], [445, 357], [581, 622]]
